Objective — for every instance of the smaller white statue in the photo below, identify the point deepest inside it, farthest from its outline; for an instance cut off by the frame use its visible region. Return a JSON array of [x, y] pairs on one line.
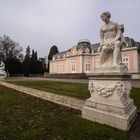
[[2, 66], [3, 74]]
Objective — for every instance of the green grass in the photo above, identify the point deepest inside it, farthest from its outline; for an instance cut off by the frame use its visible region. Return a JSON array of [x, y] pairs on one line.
[[135, 94], [69, 89], [24, 117]]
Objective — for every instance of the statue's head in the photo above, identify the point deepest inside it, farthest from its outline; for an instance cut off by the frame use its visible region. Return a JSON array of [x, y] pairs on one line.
[[105, 15]]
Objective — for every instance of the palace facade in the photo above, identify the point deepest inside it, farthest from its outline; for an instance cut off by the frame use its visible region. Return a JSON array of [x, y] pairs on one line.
[[83, 58]]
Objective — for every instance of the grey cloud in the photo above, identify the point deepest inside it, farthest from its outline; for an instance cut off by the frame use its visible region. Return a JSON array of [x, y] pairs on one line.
[[43, 23]]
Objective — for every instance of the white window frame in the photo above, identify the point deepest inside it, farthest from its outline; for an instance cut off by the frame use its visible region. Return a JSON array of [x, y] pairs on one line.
[[73, 66], [63, 68], [57, 68], [125, 60], [52, 69], [87, 65]]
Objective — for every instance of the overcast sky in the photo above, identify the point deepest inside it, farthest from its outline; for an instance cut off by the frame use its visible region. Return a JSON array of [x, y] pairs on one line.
[[43, 23]]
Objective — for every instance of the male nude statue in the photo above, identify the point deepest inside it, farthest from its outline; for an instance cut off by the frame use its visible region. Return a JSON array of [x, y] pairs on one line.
[[110, 44]]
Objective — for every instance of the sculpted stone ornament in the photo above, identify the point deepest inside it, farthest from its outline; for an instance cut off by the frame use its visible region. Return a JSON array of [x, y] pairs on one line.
[[102, 90], [123, 90], [111, 35], [110, 103], [107, 88], [110, 84]]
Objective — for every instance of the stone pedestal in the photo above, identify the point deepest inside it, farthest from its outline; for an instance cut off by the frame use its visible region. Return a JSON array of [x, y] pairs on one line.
[[3, 75], [110, 103]]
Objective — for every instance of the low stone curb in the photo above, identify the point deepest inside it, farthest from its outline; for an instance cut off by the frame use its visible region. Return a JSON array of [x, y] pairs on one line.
[[58, 99]]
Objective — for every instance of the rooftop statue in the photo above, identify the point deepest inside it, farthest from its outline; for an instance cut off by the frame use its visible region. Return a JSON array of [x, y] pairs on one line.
[[111, 35]]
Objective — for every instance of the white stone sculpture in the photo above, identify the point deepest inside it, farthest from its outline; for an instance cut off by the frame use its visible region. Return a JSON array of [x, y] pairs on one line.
[[110, 84], [2, 66], [111, 35], [104, 88], [2, 71], [109, 102]]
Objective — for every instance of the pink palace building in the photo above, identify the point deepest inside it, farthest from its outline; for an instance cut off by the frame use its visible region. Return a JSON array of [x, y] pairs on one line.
[[83, 58]]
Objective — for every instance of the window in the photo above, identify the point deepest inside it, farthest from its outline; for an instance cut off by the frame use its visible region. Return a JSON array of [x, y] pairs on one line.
[[52, 69], [87, 65], [125, 60], [73, 68], [63, 68], [58, 57], [139, 59], [57, 68], [87, 50]]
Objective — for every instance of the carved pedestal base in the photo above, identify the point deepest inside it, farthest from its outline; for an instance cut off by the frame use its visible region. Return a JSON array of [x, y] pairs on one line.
[[110, 103]]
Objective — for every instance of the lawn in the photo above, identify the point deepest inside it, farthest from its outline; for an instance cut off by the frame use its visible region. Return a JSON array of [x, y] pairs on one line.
[[24, 117], [76, 90], [135, 94], [70, 89]]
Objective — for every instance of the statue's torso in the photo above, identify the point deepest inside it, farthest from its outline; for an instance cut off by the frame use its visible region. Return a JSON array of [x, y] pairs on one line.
[[109, 32]]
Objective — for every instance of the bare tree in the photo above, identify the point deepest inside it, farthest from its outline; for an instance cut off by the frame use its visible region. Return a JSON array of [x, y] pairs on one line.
[[10, 49]]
